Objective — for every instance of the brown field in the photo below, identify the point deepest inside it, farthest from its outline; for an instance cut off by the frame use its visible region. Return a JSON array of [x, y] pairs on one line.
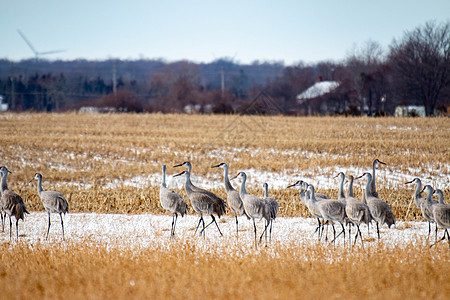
[[80, 154], [83, 271]]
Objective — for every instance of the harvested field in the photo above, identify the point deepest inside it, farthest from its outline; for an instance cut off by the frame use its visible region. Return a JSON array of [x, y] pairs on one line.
[[118, 236]]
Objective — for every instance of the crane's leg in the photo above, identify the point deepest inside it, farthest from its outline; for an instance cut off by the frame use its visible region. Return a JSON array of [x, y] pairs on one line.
[[350, 233], [174, 225], [48, 230], [62, 225], [17, 229], [254, 226], [10, 228], [264, 232], [443, 238], [198, 225], [237, 226], [172, 228], [318, 229], [378, 231], [435, 235], [213, 221], [3, 221], [334, 233], [342, 232], [270, 232], [429, 228], [358, 232]]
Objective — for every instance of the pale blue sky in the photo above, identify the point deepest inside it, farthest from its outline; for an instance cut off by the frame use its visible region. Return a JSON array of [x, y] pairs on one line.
[[201, 31]]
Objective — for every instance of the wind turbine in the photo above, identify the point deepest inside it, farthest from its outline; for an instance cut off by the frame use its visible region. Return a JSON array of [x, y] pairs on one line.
[[37, 53]]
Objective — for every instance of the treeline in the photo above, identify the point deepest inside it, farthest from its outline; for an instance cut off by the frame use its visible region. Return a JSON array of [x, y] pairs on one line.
[[414, 71]]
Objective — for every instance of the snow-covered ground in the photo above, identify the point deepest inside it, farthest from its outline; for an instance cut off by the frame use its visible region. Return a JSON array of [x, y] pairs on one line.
[[146, 230]]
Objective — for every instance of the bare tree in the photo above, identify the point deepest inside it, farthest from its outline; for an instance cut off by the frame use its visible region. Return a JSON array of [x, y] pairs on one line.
[[421, 62], [364, 64]]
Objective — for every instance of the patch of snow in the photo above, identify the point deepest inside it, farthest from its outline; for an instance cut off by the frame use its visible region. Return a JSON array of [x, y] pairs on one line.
[[146, 230]]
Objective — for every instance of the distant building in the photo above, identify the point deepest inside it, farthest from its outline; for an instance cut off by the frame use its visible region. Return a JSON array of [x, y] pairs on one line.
[[317, 90], [325, 98], [410, 111], [3, 106]]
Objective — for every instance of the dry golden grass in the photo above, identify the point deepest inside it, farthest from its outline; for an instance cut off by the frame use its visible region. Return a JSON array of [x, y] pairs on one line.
[[87, 271], [79, 154]]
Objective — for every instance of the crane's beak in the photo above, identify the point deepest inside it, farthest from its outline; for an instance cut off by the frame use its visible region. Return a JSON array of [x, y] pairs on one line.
[[235, 176], [361, 176], [179, 174], [216, 166], [179, 165], [409, 182], [382, 163]]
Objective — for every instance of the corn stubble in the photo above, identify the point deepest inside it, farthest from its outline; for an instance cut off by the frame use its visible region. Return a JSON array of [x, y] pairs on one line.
[[80, 154], [181, 271]]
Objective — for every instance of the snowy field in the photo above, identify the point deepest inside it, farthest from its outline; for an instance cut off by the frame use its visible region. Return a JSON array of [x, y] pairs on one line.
[[146, 230]]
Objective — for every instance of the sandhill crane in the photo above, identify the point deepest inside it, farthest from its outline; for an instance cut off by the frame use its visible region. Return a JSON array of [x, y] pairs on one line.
[[54, 202], [441, 214], [274, 206], [234, 201], [255, 207], [171, 201], [331, 210], [341, 195], [357, 211], [2, 210], [12, 202], [299, 183], [305, 199], [203, 203], [380, 211], [420, 201], [373, 187]]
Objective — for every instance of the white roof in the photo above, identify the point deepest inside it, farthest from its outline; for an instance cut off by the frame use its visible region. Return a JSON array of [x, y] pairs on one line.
[[318, 89]]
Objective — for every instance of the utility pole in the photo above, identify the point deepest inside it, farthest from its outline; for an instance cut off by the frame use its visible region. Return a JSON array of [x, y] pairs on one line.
[[114, 79], [223, 81]]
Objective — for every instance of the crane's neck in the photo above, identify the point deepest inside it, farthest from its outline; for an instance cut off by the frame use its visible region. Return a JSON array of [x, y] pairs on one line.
[[369, 182], [226, 180], [350, 187], [163, 184], [418, 189], [312, 195], [307, 196], [188, 184], [243, 191], [39, 185], [341, 195], [4, 184], [429, 197], [373, 187], [266, 190]]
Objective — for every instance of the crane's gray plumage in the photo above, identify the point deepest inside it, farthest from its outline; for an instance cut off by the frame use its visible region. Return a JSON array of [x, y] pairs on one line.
[[273, 205], [54, 202], [380, 211], [171, 201], [196, 188], [441, 214], [234, 201], [331, 210], [203, 203], [357, 211], [421, 202], [373, 186], [12, 203], [254, 206]]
